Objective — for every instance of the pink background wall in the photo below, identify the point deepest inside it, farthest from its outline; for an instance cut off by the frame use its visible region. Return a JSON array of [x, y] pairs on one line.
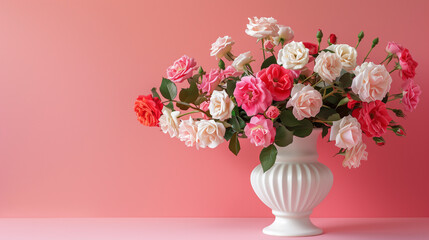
[[70, 145]]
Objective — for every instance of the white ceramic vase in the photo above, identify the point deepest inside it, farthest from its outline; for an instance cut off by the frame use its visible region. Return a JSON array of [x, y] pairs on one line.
[[293, 187]]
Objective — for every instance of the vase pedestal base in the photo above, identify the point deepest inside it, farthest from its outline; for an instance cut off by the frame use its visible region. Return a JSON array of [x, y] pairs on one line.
[[292, 226]]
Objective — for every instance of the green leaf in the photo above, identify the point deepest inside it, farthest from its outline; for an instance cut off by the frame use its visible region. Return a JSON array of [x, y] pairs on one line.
[[234, 144], [182, 106], [154, 93], [221, 64], [268, 157], [230, 87], [288, 119], [398, 112], [334, 117], [228, 133], [235, 124], [325, 113], [284, 137], [170, 106], [241, 122], [354, 96], [200, 99], [189, 95], [346, 80], [304, 129], [343, 101], [324, 131], [268, 62], [168, 89]]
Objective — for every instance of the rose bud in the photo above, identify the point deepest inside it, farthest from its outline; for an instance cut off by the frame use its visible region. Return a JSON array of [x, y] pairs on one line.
[[268, 45], [332, 39], [272, 112]]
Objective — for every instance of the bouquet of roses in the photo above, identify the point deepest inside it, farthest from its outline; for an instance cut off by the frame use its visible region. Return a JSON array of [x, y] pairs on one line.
[[301, 87]]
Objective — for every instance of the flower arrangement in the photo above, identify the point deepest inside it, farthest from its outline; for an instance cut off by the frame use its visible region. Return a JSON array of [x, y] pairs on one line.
[[301, 87]]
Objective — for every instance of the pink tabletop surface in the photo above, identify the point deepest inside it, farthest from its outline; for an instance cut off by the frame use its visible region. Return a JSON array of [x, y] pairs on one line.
[[203, 228]]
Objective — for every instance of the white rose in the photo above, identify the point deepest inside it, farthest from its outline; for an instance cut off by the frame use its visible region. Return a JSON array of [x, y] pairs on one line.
[[285, 35], [220, 105], [188, 132], [347, 54], [372, 82], [210, 133], [305, 100], [328, 66], [262, 27], [169, 122], [346, 132], [221, 47], [355, 155], [241, 61], [294, 55]]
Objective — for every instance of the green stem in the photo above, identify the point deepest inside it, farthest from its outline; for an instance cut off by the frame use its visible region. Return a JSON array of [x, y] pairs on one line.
[[317, 82], [184, 114], [357, 45], [367, 54], [329, 94], [263, 48], [312, 75], [388, 56]]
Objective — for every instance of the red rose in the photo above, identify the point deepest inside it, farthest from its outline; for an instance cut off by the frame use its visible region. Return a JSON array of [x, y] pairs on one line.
[[408, 65], [351, 103], [312, 47], [148, 110], [373, 118], [278, 80], [332, 38]]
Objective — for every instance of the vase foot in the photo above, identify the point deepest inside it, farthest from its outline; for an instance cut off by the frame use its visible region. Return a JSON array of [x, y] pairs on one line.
[[292, 227]]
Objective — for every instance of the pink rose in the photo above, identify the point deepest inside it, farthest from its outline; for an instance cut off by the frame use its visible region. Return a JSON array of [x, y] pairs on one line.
[[408, 65], [181, 69], [268, 45], [252, 95], [278, 80], [355, 155], [305, 100], [230, 72], [373, 118], [210, 81], [221, 47], [393, 48], [260, 131], [411, 96], [272, 112]]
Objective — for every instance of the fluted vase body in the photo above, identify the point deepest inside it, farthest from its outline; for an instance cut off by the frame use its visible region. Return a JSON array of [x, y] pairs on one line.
[[293, 187]]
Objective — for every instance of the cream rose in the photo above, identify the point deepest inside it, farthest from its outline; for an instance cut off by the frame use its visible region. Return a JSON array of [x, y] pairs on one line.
[[220, 105], [210, 133], [169, 122], [355, 155], [372, 82], [347, 54], [242, 59], [328, 66], [262, 27], [221, 47], [346, 132], [188, 132], [285, 35], [305, 100], [294, 55]]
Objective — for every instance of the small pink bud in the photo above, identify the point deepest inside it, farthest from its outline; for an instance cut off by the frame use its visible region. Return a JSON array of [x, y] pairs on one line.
[[268, 45], [272, 112], [332, 38], [380, 143]]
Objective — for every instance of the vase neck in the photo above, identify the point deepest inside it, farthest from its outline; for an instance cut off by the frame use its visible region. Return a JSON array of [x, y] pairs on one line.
[[301, 149]]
